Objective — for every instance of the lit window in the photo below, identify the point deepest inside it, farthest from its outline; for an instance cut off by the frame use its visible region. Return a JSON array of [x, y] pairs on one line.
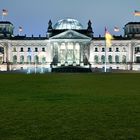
[[102, 59], [43, 60], [96, 59], [14, 59], [110, 59], [22, 59], [36, 59], [117, 59], [29, 59]]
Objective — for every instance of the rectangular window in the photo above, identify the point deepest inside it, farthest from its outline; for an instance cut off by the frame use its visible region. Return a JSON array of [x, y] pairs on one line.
[[36, 49], [110, 49], [117, 49], [43, 49], [96, 49], [21, 49], [29, 49], [103, 49]]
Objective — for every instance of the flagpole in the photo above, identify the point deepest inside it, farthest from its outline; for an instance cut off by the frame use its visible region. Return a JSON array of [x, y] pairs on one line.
[[134, 18], [2, 17], [136, 13], [105, 51], [105, 56], [20, 29], [35, 68], [108, 38], [4, 13], [19, 33]]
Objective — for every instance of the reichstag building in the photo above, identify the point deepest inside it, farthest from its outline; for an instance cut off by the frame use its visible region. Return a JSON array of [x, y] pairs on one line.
[[68, 45]]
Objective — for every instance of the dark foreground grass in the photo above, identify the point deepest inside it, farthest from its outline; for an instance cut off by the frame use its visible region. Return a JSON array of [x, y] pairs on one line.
[[70, 107]]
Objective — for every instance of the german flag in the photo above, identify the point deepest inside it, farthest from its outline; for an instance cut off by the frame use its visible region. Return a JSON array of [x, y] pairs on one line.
[[4, 12], [137, 13], [116, 29], [20, 29], [108, 38]]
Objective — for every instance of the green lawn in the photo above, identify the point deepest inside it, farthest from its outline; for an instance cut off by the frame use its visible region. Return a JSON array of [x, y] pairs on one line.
[[70, 107]]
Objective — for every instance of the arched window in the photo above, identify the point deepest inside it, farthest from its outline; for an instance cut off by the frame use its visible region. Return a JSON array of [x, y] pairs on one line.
[[29, 59], [43, 59], [36, 59], [14, 59], [22, 59], [137, 49], [110, 59], [96, 59], [2, 50], [117, 59], [123, 59], [102, 59]]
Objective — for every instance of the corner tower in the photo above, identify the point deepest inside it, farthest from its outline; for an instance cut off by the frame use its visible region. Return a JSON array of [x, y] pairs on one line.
[[6, 29]]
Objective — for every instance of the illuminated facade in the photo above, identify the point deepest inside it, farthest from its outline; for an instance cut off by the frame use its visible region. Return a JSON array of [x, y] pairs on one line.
[[67, 43]]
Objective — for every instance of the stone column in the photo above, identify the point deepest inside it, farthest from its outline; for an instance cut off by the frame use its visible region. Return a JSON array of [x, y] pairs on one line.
[[131, 55], [66, 51], [77, 55], [9, 55], [59, 45], [74, 52], [6, 59], [91, 54], [4, 55], [81, 54]]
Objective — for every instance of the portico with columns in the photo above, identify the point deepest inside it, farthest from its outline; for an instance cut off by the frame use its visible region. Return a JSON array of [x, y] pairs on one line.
[[70, 48]]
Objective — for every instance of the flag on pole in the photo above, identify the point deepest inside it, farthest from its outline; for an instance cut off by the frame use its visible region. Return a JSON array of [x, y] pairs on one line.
[[4, 12], [137, 13], [116, 29], [20, 29], [108, 38]]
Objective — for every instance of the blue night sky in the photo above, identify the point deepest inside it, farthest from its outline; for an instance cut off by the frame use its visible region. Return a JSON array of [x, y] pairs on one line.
[[33, 15]]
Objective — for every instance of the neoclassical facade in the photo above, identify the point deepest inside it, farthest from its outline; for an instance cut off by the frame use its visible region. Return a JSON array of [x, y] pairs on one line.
[[66, 44]]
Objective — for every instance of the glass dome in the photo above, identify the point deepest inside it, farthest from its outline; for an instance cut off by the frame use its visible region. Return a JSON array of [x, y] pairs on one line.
[[68, 24]]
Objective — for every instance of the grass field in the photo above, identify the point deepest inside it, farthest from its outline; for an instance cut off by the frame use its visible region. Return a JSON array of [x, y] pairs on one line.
[[70, 107]]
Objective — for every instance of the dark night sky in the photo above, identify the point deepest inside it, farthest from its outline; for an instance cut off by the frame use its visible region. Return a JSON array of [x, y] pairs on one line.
[[33, 15]]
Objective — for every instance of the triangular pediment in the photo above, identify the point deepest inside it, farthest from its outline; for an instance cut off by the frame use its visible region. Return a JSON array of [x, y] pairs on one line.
[[70, 34]]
